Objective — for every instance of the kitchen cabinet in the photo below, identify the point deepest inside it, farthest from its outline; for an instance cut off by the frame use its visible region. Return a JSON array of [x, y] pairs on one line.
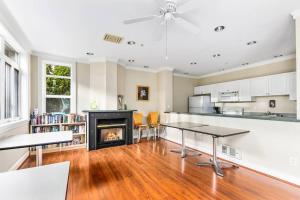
[[259, 86], [214, 93], [205, 89], [273, 85], [231, 86], [244, 90], [278, 84], [292, 86]]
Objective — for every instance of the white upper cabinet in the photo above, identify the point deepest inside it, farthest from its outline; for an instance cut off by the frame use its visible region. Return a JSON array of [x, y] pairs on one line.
[[292, 86], [244, 90], [273, 85], [230, 86], [215, 93], [259, 86], [205, 89], [278, 84]]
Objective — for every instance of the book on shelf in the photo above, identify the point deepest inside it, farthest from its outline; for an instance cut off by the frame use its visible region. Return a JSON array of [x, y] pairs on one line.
[[53, 122], [55, 118]]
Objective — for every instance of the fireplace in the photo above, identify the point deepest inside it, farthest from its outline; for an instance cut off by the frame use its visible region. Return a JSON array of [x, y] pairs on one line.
[[109, 128], [111, 134]]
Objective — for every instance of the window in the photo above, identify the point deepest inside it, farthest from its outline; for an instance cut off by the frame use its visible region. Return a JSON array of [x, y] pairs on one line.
[[58, 87], [9, 83]]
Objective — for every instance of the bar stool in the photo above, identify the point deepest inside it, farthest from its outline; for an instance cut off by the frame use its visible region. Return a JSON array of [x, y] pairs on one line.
[[139, 126]]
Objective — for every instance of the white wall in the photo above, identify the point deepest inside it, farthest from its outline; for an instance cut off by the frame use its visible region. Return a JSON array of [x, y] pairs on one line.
[[111, 85], [183, 87], [165, 90], [261, 104], [98, 84], [270, 146], [134, 78], [9, 158], [83, 87], [12, 33]]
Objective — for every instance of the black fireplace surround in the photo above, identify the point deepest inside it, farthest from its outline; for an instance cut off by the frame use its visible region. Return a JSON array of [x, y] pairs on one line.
[[108, 128]]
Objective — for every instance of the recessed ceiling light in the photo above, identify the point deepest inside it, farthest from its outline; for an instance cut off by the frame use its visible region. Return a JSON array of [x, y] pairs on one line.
[[89, 53], [244, 64], [219, 28], [193, 63], [251, 43], [146, 67], [131, 60], [131, 42], [277, 56], [216, 55]]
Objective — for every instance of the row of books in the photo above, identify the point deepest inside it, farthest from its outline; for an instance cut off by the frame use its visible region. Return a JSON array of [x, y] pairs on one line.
[[75, 128], [45, 129], [48, 118]]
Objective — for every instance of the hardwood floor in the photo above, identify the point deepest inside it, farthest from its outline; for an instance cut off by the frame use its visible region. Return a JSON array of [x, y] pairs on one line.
[[148, 170]]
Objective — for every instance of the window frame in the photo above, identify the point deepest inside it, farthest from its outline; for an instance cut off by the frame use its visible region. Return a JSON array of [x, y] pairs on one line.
[[72, 78], [15, 65]]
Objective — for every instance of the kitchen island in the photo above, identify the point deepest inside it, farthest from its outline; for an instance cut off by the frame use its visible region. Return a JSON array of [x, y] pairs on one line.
[[271, 148]]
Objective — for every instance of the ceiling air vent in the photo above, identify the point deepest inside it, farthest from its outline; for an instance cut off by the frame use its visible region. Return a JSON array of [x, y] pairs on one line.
[[112, 38]]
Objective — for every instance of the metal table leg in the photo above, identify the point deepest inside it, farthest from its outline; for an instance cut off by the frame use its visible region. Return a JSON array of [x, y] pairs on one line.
[[214, 161], [39, 156], [183, 150]]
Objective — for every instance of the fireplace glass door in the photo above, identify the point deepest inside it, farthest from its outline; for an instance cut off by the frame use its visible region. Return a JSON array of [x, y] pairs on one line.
[[111, 134]]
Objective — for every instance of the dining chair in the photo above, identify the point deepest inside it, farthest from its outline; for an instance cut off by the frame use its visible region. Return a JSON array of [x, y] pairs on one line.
[[139, 126], [153, 123]]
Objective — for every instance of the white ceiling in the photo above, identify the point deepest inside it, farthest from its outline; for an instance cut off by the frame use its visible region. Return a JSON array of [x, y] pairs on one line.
[[73, 27]]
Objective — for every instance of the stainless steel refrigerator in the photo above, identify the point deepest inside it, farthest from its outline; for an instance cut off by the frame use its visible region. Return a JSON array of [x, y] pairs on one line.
[[201, 104]]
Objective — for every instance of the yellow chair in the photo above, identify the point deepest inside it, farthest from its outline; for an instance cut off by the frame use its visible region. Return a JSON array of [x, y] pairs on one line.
[[153, 122], [138, 125]]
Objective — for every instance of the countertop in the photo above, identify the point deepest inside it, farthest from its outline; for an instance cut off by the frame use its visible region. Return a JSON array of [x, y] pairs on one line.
[[107, 111], [46, 182], [260, 116]]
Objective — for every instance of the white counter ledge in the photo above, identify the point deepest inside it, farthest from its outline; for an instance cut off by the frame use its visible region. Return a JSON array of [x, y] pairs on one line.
[[272, 147]]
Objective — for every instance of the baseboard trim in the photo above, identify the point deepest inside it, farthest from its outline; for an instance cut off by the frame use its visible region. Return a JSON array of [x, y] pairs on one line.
[[19, 162], [292, 182]]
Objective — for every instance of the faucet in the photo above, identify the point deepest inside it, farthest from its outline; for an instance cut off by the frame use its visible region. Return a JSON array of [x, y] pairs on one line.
[[268, 113]]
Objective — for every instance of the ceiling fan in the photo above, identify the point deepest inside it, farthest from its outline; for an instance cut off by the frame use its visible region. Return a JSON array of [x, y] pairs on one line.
[[171, 10]]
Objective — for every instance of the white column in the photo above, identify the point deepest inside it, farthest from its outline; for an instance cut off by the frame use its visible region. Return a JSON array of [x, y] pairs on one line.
[[165, 91], [296, 16]]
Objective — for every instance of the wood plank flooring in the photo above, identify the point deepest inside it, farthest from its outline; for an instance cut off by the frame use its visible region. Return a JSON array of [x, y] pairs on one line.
[[148, 170]]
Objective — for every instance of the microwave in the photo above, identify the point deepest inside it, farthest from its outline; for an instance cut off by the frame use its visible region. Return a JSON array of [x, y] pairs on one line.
[[229, 96]]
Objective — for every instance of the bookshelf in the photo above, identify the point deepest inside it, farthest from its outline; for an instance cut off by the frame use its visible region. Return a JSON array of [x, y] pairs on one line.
[[60, 122]]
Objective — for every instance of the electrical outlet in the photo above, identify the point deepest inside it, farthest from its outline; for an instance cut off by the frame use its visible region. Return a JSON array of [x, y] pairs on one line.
[[225, 149], [235, 153], [293, 161], [232, 152], [238, 154]]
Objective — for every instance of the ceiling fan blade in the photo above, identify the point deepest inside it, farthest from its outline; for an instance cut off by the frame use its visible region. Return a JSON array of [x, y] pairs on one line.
[[160, 2], [140, 19], [187, 25], [181, 2], [187, 6]]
